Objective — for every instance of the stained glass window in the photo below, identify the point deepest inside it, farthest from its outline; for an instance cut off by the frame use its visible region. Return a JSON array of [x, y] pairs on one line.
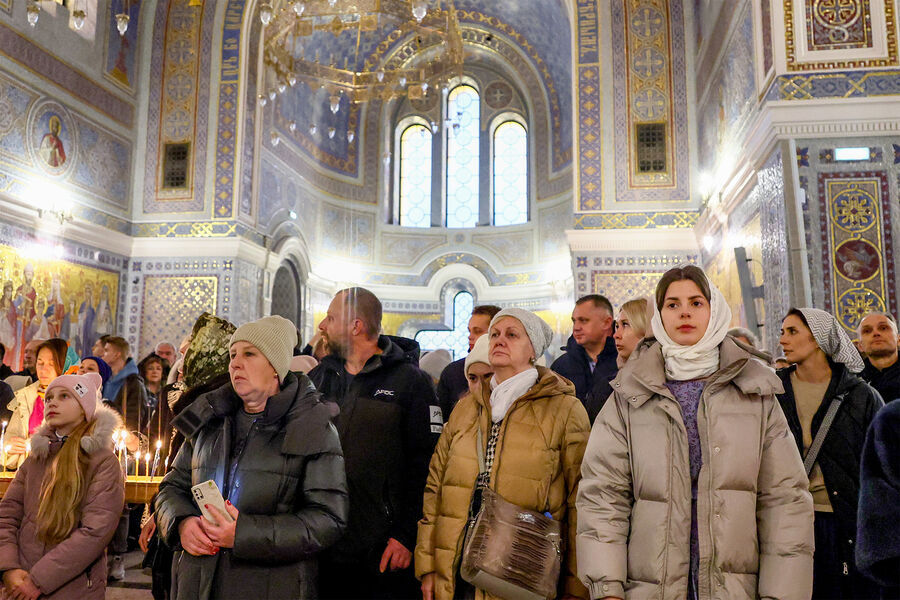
[[510, 174], [463, 113], [457, 339], [415, 176]]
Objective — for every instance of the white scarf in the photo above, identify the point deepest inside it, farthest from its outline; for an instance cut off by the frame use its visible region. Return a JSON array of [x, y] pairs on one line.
[[702, 359], [504, 394]]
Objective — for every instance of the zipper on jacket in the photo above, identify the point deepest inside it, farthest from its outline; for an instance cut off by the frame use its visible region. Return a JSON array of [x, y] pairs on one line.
[[237, 461], [846, 569]]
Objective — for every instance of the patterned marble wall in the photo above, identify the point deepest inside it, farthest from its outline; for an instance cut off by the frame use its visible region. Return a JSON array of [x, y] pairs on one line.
[[624, 276], [850, 216], [165, 296]]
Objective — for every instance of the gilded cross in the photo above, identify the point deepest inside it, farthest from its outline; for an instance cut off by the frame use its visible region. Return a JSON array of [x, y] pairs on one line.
[[646, 21], [647, 63]]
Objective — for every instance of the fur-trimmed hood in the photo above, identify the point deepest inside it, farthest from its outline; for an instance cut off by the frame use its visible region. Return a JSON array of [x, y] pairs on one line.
[[106, 420]]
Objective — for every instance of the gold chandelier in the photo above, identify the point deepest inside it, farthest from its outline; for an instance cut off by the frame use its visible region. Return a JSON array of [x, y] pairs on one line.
[[432, 54]]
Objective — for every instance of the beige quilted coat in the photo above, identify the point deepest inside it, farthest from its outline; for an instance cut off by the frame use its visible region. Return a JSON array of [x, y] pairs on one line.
[[537, 464], [754, 512]]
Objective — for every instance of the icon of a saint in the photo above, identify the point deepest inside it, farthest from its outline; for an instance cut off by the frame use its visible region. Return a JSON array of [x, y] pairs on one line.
[[52, 150]]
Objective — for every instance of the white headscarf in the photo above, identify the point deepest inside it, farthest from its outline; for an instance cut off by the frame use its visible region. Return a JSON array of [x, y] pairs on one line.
[[701, 359], [832, 339]]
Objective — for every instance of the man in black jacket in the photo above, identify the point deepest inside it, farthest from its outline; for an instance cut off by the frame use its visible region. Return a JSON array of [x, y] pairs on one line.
[[389, 423], [590, 358], [453, 384], [878, 340]]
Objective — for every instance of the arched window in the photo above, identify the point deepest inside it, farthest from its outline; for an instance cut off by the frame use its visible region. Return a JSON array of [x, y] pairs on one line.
[[464, 114], [510, 168], [456, 340], [415, 176]]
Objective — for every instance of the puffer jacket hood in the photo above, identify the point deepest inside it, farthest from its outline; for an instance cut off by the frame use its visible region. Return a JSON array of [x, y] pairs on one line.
[[536, 465], [106, 420], [754, 511]]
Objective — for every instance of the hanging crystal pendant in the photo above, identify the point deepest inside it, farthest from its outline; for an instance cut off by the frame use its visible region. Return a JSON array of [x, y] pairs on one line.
[[274, 139], [292, 126], [335, 103], [331, 132], [313, 129], [78, 17], [265, 13], [33, 11], [122, 23], [419, 9], [350, 136], [379, 75], [299, 8]]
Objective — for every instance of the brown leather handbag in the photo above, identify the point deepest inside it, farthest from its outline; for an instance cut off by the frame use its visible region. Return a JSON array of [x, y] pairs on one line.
[[510, 552]]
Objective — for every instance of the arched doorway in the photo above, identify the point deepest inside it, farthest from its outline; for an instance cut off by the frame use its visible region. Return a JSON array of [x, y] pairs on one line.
[[287, 296]]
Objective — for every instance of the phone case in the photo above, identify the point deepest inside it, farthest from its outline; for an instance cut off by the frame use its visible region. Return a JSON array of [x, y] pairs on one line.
[[208, 493]]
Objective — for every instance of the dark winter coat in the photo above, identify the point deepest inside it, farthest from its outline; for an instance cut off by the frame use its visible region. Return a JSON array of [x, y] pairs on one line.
[[389, 423], [840, 454], [288, 484], [74, 569], [886, 382], [592, 388], [126, 393], [452, 386], [878, 547]]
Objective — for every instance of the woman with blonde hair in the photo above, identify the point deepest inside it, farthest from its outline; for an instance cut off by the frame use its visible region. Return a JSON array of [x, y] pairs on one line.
[[632, 324], [63, 506], [691, 484]]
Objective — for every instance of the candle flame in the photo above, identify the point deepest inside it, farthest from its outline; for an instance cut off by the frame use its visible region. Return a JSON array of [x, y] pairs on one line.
[[158, 444]]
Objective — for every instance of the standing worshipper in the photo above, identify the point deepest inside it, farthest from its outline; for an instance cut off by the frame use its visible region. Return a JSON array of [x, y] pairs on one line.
[[823, 380], [878, 340], [61, 509], [691, 486]]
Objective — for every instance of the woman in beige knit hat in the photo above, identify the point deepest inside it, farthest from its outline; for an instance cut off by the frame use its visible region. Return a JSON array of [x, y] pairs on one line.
[[269, 445]]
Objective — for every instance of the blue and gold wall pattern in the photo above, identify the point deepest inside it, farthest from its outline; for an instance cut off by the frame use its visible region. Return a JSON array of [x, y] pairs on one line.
[[43, 141], [180, 62], [649, 63], [857, 249], [121, 50]]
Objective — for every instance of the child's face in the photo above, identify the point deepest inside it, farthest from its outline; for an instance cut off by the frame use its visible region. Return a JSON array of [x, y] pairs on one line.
[[62, 411]]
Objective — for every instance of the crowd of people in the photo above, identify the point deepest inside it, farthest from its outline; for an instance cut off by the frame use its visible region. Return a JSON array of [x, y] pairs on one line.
[[676, 458]]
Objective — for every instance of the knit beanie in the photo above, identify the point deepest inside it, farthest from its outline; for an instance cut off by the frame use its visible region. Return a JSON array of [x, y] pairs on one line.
[[479, 353], [84, 388], [434, 362], [105, 371], [537, 329], [274, 336]]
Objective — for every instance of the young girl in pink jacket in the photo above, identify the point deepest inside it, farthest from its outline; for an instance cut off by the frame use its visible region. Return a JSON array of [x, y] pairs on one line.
[[63, 506]]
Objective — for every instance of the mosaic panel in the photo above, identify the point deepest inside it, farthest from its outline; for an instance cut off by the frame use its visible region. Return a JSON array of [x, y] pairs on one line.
[[773, 226], [722, 269], [347, 233], [404, 250], [512, 248], [648, 41], [249, 132], [766, 27], [849, 84], [589, 100], [587, 265], [171, 305], [48, 292], [857, 255], [838, 24], [552, 223]]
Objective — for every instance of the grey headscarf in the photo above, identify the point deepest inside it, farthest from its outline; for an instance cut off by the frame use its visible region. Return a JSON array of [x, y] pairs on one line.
[[832, 338]]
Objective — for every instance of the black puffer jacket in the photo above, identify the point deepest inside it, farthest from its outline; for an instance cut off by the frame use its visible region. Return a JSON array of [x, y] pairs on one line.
[[288, 485], [840, 455], [592, 387], [389, 423]]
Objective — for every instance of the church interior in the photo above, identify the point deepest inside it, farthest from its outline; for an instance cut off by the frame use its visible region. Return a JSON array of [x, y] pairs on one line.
[[160, 159]]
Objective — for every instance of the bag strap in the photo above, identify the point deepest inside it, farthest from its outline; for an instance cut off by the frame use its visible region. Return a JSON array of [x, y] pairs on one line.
[[812, 453], [479, 449]]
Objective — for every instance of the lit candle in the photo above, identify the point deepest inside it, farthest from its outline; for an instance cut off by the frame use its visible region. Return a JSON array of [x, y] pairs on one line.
[[147, 464], [166, 465], [6, 450], [27, 448], [156, 458], [3, 435], [137, 463]]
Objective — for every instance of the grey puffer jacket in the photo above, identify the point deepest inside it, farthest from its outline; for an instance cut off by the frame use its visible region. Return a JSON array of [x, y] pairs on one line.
[[754, 512], [288, 484]]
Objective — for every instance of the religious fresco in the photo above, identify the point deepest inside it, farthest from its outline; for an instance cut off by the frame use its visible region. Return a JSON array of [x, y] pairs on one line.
[[838, 24], [45, 297], [122, 49], [52, 138]]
